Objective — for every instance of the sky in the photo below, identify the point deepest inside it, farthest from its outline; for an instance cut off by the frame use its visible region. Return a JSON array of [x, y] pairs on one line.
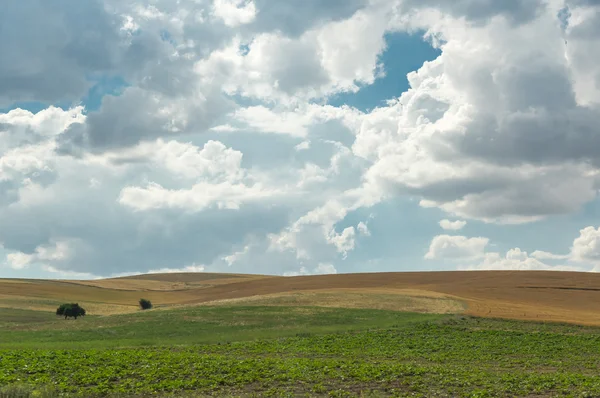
[[298, 137]]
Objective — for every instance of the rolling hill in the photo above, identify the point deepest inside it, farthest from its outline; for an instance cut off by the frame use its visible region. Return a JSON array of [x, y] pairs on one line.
[[528, 295]]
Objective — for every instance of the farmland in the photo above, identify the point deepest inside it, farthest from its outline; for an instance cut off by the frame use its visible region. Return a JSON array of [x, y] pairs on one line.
[[319, 351], [534, 295], [400, 339]]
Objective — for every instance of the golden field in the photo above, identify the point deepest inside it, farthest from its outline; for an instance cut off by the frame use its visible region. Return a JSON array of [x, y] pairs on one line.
[[529, 295]]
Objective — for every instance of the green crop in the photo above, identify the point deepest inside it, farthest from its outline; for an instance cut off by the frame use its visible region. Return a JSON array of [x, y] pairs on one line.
[[428, 357]]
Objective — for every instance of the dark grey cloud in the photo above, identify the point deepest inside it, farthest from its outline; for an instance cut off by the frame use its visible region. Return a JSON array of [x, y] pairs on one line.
[[593, 3], [479, 11], [531, 117], [9, 192], [534, 136], [49, 48], [140, 115], [294, 17], [588, 28]]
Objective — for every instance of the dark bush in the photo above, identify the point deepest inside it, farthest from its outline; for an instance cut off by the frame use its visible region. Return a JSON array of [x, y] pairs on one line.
[[145, 304], [71, 310]]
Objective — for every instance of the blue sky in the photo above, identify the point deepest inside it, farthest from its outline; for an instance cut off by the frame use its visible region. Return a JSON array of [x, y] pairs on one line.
[[210, 137], [404, 53]]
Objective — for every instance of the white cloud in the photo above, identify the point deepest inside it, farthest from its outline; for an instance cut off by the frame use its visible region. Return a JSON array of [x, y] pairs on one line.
[[189, 268], [225, 128], [221, 149], [213, 161], [350, 48], [234, 12], [456, 247], [18, 260], [312, 174], [516, 260], [56, 251], [232, 258], [325, 268], [344, 241], [216, 170], [542, 255], [200, 196], [333, 57], [304, 145], [586, 247], [296, 122], [452, 225], [321, 269], [363, 229], [314, 232], [18, 126], [582, 254], [61, 274], [466, 137]]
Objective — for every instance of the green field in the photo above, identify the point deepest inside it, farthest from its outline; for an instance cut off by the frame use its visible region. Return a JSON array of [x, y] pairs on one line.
[[294, 351]]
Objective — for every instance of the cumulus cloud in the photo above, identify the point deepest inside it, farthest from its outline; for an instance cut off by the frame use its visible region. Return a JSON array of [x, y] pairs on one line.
[[234, 12], [55, 252], [62, 45], [202, 195], [581, 258], [472, 254], [516, 260], [330, 58], [586, 247], [453, 225], [480, 11], [321, 269], [18, 260], [189, 268], [294, 17], [543, 255], [363, 229], [223, 150], [467, 136], [456, 247]]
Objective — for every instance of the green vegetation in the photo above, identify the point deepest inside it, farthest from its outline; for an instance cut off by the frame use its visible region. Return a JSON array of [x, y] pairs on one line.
[[264, 351], [198, 325], [12, 316], [145, 304], [72, 310]]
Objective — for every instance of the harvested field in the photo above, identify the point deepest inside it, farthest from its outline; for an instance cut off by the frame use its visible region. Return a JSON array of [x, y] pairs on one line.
[[395, 300], [529, 295], [167, 282]]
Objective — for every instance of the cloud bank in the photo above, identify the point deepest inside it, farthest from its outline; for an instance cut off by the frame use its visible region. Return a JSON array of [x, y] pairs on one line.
[[224, 149]]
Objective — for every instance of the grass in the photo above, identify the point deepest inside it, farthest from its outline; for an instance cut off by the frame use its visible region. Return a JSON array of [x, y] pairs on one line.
[[299, 351], [196, 325], [11, 316]]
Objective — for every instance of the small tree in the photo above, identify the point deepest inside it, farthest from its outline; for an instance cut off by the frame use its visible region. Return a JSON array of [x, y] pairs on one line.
[[71, 310], [145, 304]]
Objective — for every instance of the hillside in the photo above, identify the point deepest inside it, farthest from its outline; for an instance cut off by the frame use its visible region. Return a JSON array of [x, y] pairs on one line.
[[542, 296]]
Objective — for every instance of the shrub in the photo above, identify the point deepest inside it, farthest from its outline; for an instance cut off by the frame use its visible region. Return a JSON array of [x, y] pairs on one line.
[[70, 310], [145, 304]]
